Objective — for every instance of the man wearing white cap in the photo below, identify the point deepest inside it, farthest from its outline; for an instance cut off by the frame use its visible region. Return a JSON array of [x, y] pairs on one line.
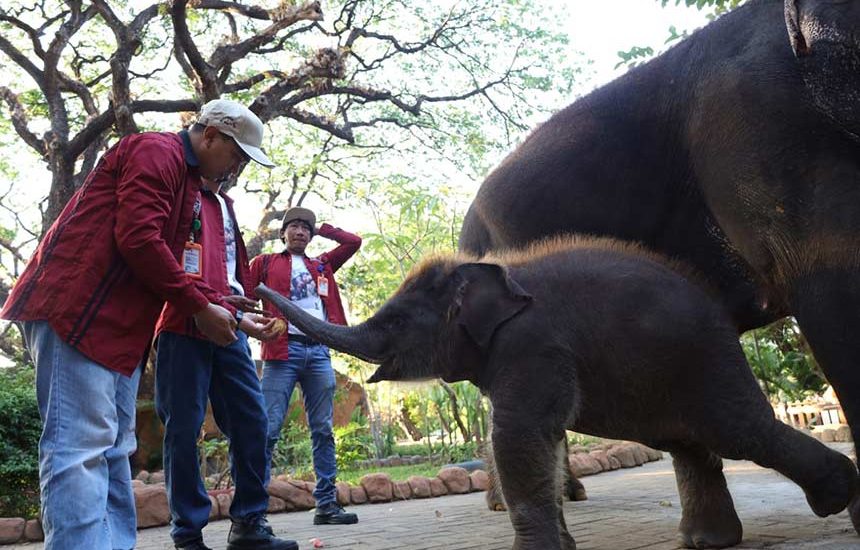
[[87, 305], [191, 369]]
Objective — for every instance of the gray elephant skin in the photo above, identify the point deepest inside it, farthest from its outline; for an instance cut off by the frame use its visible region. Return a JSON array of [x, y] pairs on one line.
[[736, 151], [598, 337]]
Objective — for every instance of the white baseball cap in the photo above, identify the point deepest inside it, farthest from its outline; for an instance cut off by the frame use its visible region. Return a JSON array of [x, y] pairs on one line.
[[238, 122]]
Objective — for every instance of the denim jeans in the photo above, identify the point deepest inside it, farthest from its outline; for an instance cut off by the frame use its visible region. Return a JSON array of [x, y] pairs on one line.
[[88, 415], [310, 366], [188, 371]]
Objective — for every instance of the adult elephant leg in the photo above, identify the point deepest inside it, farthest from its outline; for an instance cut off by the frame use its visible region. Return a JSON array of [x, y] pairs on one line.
[[708, 517], [827, 308], [527, 457]]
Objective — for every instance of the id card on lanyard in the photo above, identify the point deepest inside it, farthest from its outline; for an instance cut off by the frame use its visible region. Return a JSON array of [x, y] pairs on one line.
[[192, 254], [322, 282]]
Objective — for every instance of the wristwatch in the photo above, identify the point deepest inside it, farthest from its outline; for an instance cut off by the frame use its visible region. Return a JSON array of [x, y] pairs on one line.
[[239, 316]]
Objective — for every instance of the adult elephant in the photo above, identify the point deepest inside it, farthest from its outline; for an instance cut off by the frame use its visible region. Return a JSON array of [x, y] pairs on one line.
[[738, 151]]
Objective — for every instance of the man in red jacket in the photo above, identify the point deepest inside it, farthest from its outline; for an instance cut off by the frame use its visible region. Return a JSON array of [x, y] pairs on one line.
[[87, 304], [294, 357], [191, 369]]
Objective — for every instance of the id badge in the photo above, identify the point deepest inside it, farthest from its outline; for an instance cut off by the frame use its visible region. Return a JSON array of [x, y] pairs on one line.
[[322, 286], [192, 260]]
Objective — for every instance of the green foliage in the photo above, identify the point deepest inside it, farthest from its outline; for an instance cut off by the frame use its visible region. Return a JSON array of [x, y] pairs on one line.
[[293, 453], [215, 459], [20, 428], [353, 442], [782, 361], [397, 473]]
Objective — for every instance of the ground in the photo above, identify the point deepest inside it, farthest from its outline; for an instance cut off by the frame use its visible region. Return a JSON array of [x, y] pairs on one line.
[[627, 509]]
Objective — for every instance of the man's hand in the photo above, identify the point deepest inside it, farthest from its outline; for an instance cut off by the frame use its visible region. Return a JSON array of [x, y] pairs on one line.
[[260, 327], [243, 303], [217, 324]]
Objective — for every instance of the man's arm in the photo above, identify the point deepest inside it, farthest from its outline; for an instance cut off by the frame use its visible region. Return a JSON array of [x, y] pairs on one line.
[[349, 245], [148, 187]]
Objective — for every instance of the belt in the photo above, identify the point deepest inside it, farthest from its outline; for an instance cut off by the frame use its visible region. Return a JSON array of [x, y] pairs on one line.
[[302, 339]]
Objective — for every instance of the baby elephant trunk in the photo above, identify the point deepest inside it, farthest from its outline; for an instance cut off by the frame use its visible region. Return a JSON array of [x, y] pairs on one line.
[[359, 341]]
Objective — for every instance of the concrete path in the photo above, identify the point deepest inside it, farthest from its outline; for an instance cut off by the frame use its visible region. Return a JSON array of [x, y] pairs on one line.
[[627, 509]]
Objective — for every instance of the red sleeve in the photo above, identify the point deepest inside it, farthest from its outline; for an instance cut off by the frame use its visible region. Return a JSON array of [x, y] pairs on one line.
[[150, 181], [349, 245], [256, 271]]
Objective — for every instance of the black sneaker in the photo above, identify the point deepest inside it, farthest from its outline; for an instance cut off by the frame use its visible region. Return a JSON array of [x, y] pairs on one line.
[[334, 514], [255, 534], [196, 544]]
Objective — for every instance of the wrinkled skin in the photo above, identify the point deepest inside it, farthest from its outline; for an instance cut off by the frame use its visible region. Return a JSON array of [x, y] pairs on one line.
[[539, 333], [738, 152]]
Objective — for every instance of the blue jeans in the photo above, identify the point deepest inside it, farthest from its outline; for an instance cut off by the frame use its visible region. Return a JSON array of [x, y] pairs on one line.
[[310, 366], [188, 371], [88, 415]]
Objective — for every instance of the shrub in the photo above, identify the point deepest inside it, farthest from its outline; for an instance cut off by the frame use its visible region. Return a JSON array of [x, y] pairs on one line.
[[20, 428], [353, 443]]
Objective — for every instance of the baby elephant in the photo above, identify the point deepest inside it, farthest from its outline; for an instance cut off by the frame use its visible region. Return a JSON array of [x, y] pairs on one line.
[[601, 338]]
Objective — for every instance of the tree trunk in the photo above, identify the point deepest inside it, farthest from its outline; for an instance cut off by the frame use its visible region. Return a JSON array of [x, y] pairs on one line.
[[455, 411], [409, 424]]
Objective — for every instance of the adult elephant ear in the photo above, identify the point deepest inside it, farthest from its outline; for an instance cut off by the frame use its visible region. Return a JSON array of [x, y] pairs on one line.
[[795, 34], [486, 297]]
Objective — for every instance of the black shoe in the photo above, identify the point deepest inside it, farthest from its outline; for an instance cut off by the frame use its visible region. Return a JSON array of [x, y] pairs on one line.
[[255, 534], [196, 544], [334, 514]]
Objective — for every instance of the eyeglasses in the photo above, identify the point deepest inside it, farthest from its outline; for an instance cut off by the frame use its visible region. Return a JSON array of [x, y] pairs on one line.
[[240, 156]]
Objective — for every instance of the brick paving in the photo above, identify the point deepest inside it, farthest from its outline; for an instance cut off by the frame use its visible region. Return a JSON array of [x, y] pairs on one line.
[[636, 509]]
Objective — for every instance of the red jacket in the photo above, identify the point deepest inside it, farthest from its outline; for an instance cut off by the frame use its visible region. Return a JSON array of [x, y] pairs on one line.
[[213, 262], [275, 270], [109, 262]]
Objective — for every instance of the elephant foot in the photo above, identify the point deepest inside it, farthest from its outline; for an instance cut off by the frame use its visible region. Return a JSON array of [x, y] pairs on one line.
[[854, 512], [575, 490], [835, 491], [712, 528], [495, 500]]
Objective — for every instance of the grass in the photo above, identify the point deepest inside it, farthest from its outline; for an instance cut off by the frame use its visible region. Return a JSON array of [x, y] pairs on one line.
[[397, 473]]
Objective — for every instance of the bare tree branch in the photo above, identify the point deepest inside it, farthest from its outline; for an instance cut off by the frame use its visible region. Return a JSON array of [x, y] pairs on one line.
[[20, 121]]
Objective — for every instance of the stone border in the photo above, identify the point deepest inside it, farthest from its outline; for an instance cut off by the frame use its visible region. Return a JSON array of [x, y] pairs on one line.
[[290, 495]]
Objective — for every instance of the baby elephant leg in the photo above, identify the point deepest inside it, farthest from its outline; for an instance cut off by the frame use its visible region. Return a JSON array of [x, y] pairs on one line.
[[528, 464], [494, 498], [708, 518], [827, 477]]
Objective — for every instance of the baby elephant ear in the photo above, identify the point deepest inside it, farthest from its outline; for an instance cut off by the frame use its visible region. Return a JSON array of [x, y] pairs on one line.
[[486, 297]]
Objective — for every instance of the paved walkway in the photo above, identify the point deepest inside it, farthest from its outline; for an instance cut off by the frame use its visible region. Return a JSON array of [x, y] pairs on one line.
[[626, 510]]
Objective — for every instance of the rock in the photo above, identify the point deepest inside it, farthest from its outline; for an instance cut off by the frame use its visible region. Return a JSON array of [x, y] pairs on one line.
[[137, 483], [378, 487], [456, 480], [151, 504], [11, 529], [295, 495], [653, 454], [828, 435], [437, 487], [479, 480], [276, 505], [214, 509], [342, 493], [614, 463], [33, 531], [357, 495], [402, 490], [420, 486], [583, 464], [156, 477], [601, 457], [143, 476], [639, 454], [624, 454], [577, 449], [282, 477], [395, 461], [843, 434]]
